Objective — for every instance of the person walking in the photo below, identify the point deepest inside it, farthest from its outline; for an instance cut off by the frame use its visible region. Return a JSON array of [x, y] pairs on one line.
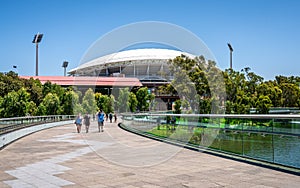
[[78, 123], [94, 117], [106, 115], [87, 122], [100, 120], [115, 116], [110, 117]]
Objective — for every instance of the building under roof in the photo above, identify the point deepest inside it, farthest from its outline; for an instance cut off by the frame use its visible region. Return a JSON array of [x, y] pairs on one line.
[[149, 66], [88, 81]]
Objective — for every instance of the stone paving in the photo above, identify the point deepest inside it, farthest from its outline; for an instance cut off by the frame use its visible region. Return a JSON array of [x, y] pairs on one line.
[[60, 157]]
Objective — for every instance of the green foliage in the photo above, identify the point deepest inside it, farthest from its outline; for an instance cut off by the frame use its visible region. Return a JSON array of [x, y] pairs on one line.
[[204, 105], [41, 110], [2, 111], [34, 88], [105, 102], [16, 104], [51, 104], [133, 102], [196, 81], [263, 104], [31, 108], [89, 104], [144, 99], [123, 103], [70, 103], [9, 82], [290, 94], [177, 107]]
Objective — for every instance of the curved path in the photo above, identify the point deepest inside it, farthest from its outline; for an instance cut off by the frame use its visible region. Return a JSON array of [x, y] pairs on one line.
[[60, 157]]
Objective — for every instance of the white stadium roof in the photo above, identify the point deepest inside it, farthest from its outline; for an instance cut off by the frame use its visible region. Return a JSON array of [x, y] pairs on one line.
[[130, 55]]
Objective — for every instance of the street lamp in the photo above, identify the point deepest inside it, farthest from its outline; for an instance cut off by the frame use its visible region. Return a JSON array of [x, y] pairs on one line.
[[231, 50], [65, 65], [37, 39]]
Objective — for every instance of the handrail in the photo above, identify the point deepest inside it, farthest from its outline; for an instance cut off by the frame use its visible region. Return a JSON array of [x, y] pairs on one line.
[[248, 116], [12, 124], [34, 117], [263, 137]]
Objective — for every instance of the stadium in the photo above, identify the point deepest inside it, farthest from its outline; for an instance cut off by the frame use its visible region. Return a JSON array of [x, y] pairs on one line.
[[148, 65]]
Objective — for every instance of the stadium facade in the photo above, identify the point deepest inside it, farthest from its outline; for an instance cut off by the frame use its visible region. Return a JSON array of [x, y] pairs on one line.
[[149, 66]]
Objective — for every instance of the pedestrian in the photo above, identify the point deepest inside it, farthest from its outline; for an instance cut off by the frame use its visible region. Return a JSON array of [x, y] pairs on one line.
[[78, 122], [115, 116], [106, 115], [100, 120], [87, 122], [110, 117]]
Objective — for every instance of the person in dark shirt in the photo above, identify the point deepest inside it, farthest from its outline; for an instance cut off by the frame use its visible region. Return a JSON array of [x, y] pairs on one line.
[[115, 116], [110, 117], [87, 122]]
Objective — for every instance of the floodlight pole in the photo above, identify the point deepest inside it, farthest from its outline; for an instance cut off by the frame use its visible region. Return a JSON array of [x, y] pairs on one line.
[[36, 59], [65, 65], [231, 50], [37, 39], [15, 67]]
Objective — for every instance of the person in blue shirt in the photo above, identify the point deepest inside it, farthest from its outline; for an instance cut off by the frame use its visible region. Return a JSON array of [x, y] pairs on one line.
[[100, 116], [78, 122]]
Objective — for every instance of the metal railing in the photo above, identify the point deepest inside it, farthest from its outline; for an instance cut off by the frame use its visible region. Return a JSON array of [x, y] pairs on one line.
[[12, 124], [271, 138]]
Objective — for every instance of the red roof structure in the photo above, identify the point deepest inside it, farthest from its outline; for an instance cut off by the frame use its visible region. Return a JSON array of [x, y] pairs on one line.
[[88, 81]]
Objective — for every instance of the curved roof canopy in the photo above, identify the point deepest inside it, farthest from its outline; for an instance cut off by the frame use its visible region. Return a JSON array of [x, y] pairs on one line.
[[128, 57]]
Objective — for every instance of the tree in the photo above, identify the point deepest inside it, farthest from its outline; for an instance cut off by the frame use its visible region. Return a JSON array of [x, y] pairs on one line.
[[34, 88], [9, 106], [31, 108], [15, 104], [89, 103], [123, 100], [110, 104], [70, 103], [189, 79], [23, 98], [1, 108], [290, 94], [252, 80], [48, 87], [263, 104], [105, 102], [99, 100], [167, 89], [196, 80], [50, 105], [41, 110], [133, 102], [272, 91], [204, 105], [144, 99], [10, 82], [177, 107]]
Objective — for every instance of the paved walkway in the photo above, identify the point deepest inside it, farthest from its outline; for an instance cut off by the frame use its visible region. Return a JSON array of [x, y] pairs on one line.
[[60, 157]]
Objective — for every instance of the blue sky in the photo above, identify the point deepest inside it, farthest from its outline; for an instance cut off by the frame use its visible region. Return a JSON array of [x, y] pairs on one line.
[[265, 34]]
